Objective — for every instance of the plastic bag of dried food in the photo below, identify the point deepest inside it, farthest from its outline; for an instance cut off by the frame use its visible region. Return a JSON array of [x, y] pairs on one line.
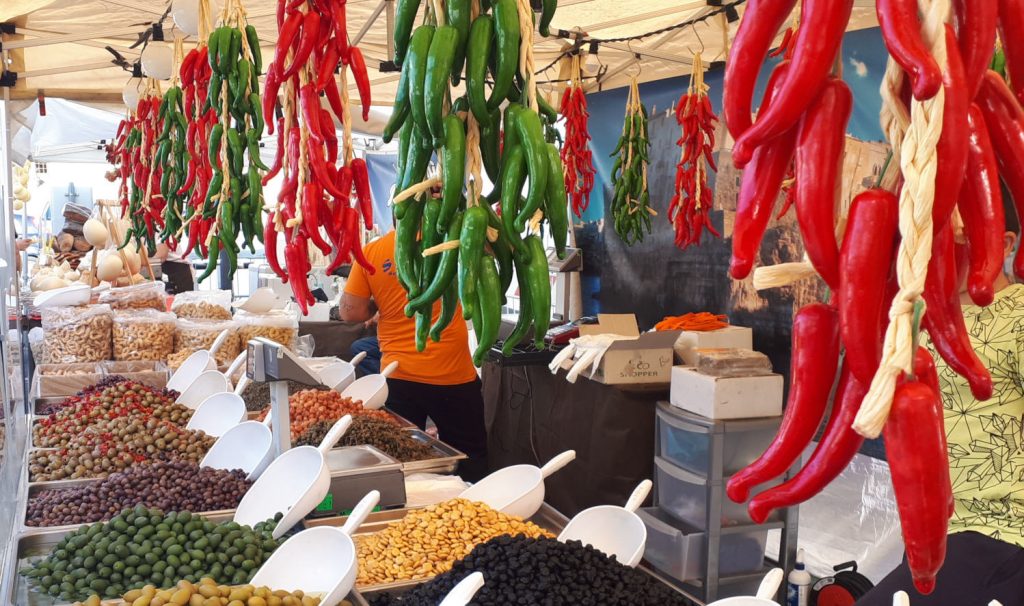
[[203, 304], [193, 335], [147, 295], [143, 334], [76, 334], [279, 326]]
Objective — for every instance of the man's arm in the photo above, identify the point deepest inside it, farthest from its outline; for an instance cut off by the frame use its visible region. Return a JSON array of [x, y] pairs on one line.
[[353, 308]]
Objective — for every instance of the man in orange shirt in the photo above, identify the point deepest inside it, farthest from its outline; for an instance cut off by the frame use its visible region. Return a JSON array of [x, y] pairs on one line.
[[440, 382]]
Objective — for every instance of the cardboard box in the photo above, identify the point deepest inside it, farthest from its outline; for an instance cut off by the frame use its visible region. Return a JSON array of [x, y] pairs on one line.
[[730, 337], [646, 359], [148, 372], [60, 380], [726, 397]]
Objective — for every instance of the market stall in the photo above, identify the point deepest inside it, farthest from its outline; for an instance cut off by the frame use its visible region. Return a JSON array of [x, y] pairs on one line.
[[631, 291]]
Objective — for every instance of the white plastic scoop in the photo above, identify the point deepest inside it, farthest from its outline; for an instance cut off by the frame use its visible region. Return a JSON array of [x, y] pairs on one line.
[[208, 383], [218, 342], [293, 484], [217, 414], [236, 364], [616, 531], [517, 490], [768, 588], [246, 446], [371, 390], [340, 375], [463, 593], [261, 301], [320, 560], [190, 370]]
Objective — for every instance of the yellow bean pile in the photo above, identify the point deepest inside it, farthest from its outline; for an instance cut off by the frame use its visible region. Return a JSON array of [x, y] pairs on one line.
[[208, 593], [427, 542]]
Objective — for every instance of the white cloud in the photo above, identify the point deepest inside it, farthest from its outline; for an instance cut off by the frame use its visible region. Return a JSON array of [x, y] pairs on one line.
[[860, 67]]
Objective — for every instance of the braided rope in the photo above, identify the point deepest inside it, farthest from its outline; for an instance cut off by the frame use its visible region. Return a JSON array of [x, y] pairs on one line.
[[917, 153], [346, 106], [526, 53]]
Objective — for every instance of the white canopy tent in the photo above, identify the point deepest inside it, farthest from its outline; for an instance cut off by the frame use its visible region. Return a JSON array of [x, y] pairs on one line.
[[60, 46]]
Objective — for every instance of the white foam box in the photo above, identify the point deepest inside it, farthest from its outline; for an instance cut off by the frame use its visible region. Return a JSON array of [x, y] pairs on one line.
[[726, 397], [730, 337]]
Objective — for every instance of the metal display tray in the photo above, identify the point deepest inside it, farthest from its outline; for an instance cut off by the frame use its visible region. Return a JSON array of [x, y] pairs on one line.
[[254, 415], [36, 488], [444, 464], [15, 589]]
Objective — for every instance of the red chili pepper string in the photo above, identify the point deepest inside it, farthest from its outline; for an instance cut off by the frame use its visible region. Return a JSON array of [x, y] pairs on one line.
[[577, 158], [689, 210], [317, 193]]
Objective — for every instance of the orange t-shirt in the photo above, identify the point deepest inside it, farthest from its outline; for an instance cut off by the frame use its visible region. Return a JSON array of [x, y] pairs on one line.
[[445, 363]]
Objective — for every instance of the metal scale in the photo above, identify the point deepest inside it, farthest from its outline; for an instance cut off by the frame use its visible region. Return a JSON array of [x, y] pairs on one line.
[[355, 470]]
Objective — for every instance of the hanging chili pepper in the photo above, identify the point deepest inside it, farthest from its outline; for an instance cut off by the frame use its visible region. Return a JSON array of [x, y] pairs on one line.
[[358, 67], [577, 159], [813, 367], [1011, 28], [864, 259], [901, 31], [817, 43], [975, 25], [951, 150], [981, 207], [915, 444]]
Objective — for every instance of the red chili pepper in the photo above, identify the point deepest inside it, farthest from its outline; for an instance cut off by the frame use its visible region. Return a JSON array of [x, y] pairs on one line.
[[1005, 120], [761, 22], [819, 160], [325, 73], [817, 43], [272, 85], [278, 154], [944, 320], [759, 189], [361, 178], [976, 34], [901, 30], [287, 38], [1011, 32], [864, 260], [341, 32], [307, 41], [915, 444], [187, 70], [317, 162], [330, 136], [813, 370], [358, 67], [293, 253], [784, 46], [310, 104], [981, 207], [951, 149], [334, 100], [837, 447], [312, 199], [352, 227]]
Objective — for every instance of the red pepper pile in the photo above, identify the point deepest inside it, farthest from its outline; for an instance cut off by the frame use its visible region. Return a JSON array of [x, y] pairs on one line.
[[312, 40], [690, 207], [803, 119], [576, 156]]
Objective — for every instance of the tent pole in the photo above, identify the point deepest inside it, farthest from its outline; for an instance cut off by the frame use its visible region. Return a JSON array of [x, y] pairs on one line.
[[10, 274], [389, 19], [369, 22]]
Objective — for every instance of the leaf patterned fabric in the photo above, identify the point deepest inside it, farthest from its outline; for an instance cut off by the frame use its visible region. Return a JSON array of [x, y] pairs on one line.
[[986, 443]]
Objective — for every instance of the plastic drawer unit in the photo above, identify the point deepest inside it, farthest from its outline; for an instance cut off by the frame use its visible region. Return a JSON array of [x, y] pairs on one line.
[[687, 497], [679, 551], [687, 440]]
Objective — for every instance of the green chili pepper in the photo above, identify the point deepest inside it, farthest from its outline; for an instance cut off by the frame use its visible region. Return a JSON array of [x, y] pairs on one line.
[[478, 51], [400, 166], [400, 110], [453, 169], [213, 96], [557, 202], [514, 169], [502, 249], [539, 282], [234, 48], [406, 250], [211, 262], [488, 310], [254, 46], [449, 307], [416, 63], [253, 143], [213, 48], [527, 123], [525, 321], [430, 237], [471, 248], [507, 34], [405, 16], [444, 276], [490, 145], [225, 61], [546, 16], [458, 12], [439, 66], [422, 329], [257, 114], [235, 153]]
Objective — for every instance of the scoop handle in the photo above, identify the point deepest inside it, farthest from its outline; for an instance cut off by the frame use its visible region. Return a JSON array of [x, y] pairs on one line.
[[334, 434], [241, 384], [219, 341], [900, 598], [266, 419], [558, 462], [359, 357], [390, 368], [770, 584], [463, 593], [236, 364], [639, 495], [362, 509]]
